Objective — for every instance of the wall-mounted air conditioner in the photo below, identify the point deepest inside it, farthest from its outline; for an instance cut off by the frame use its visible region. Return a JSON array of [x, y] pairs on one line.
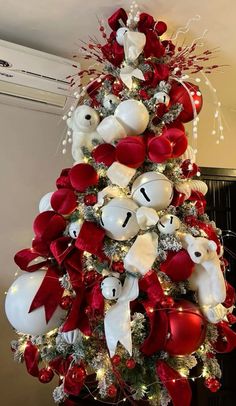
[[34, 79]]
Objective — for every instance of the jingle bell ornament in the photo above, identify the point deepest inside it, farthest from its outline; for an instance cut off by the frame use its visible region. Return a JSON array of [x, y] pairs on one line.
[[111, 288], [119, 219], [168, 224], [110, 101], [152, 189], [74, 228], [162, 97]]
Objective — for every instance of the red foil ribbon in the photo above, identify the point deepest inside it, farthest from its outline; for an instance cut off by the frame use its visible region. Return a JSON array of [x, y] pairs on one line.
[[31, 357], [49, 293], [177, 386]]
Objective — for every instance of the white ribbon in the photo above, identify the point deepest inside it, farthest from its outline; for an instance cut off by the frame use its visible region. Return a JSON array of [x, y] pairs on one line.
[[127, 73], [109, 191], [120, 174], [146, 217], [142, 254], [117, 321], [134, 42]]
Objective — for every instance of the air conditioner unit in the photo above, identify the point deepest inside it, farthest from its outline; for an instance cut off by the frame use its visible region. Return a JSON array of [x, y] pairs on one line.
[[34, 79]]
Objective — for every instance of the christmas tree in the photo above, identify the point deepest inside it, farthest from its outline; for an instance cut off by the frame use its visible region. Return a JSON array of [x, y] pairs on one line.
[[123, 294]]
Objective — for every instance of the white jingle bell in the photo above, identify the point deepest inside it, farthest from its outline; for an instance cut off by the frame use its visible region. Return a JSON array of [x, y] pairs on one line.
[[45, 202], [168, 224], [152, 189], [162, 97], [18, 301], [74, 228], [111, 288], [120, 35], [110, 101], [84, 119], [119, 219], [133, 116]]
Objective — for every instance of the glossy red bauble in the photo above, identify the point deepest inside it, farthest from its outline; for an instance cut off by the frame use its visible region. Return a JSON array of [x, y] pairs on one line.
[[187, 328], [90, 199], [45, 375], [116, 360], [76, 374], [212, 384], [130, 363], [112, 391], [179, 94], [118, 266], [66, 302]]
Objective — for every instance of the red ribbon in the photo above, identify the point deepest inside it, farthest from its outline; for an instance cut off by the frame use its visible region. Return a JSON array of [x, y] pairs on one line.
[[24, 257], [116, 18], [157, 319], [31, 357], [177, 386], [90, 238], [178, 265], [49, 293], [226, 341]]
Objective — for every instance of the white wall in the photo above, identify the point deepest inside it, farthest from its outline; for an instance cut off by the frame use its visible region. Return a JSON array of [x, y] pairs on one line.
[[29, 166]]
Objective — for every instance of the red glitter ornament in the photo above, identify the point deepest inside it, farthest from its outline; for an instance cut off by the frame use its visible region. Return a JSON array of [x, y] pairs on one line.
[[45, 375], [90, 199], [118, 267], [66, 302], [76, 374], [130, 363], [112, 391], [116, 360], [212, 384]]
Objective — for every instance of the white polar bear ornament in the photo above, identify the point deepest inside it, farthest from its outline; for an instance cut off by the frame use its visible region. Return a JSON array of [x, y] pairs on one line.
[[207, 278], [83, 123]]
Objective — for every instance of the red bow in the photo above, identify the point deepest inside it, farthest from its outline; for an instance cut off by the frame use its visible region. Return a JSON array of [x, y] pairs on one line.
[[116, 18]]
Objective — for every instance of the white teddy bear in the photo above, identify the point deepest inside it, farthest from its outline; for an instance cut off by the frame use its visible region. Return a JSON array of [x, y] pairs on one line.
[[83, 123], [207, 278]]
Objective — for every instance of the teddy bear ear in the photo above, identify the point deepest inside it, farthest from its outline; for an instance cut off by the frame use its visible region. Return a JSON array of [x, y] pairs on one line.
[[189, 239], [212, 245]]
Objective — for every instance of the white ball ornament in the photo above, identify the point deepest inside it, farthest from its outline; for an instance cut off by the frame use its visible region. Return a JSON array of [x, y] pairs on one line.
[[152, 189], [18, 301], [74, 228], [162, 97], [111, 288], [45, 203], [133, 116], [110, 101], [119, 219], [168, 224], [120, 35]]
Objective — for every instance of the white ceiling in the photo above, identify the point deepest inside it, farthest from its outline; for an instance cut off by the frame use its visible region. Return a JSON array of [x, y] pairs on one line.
[[56, 26]]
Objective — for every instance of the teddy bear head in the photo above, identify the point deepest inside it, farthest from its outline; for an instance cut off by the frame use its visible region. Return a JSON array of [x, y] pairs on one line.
[[85, 119], [200, 249]]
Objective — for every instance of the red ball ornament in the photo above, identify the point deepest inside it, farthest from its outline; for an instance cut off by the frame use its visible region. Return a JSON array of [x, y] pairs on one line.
[[104, 153], [117, 87], [76, 374], [91, 276], [64, 201], [45, 375], [116, 360], [131, 151], [179, 94], [167, 302], [66, 302], [118, 267], [112, 391], [83, 176], [187, 328], [90, 199], [130, 363], [212, 384]]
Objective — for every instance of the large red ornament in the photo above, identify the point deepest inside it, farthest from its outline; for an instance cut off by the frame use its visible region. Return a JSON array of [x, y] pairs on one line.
[[45, 375], [187, 328], [179, 94]]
